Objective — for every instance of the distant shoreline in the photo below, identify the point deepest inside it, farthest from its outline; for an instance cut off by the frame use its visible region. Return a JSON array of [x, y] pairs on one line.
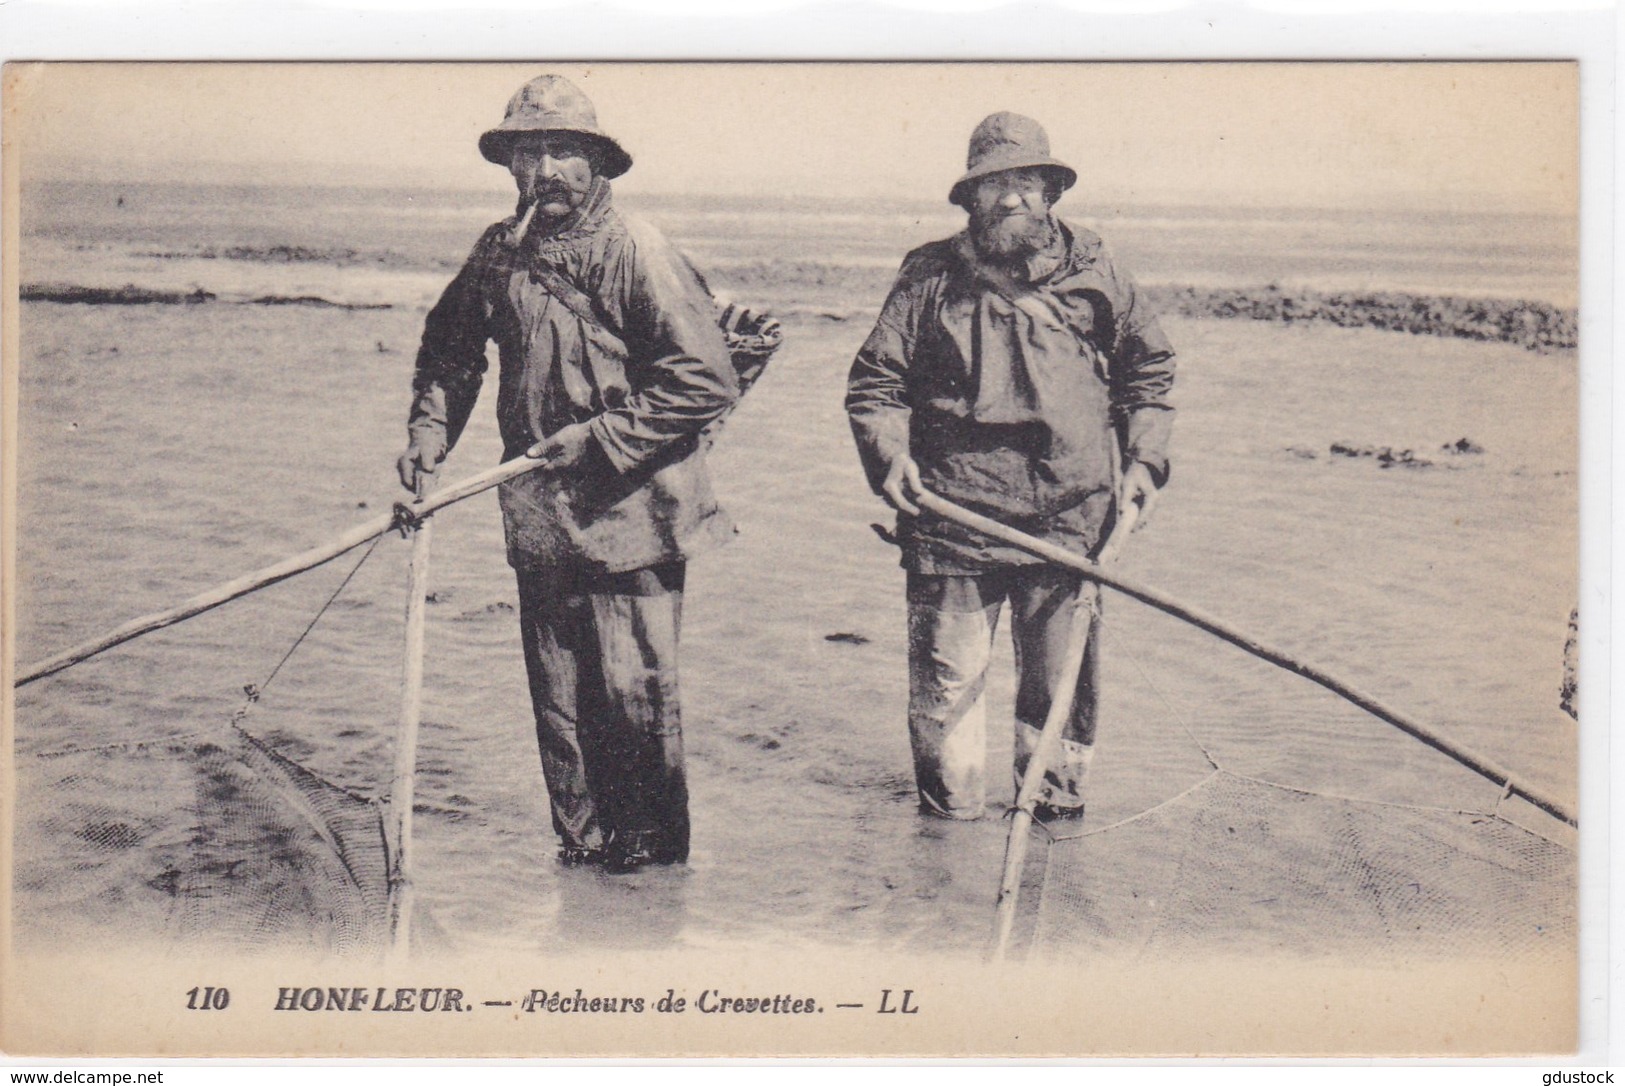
[[130, 294], [1530, 324], [1534, 326]]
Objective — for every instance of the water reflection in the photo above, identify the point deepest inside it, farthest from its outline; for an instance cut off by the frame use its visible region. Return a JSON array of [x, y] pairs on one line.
[[644, 910]]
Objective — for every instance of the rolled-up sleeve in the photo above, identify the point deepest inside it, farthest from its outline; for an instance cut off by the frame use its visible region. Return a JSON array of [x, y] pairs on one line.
[[680, 373], [877, 400]]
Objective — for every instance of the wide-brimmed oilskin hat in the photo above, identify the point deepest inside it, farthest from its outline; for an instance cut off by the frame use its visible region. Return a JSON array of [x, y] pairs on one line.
[[551, 103], [1008, 141]]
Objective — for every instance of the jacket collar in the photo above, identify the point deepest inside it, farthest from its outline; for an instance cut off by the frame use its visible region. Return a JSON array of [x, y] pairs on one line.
[[1082, 246]]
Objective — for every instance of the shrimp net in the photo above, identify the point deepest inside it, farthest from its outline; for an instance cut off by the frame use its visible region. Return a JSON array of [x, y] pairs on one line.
[[1288, 823], [263, 852], [1263, 868], [204, 836]]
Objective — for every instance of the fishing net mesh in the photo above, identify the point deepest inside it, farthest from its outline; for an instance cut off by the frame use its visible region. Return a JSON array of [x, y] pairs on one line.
[[1289, 823], [263, 853], [1248, 866], [205, 836]]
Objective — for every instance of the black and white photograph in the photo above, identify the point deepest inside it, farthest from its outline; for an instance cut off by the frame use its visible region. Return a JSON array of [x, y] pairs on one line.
[[793, 559]]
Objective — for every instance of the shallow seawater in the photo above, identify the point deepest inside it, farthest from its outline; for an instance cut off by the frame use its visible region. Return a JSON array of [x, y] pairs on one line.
[[164, 449]]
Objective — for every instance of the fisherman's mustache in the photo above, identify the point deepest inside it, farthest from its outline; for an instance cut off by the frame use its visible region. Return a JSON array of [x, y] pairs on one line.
[[555, 190], [1018, 223], [997, 219]]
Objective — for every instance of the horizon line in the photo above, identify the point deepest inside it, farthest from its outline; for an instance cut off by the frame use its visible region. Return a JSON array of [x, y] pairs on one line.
[[237, 176]]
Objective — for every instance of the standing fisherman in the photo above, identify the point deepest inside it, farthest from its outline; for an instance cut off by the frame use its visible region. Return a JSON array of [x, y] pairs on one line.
[[612, 363], [1013, 370]]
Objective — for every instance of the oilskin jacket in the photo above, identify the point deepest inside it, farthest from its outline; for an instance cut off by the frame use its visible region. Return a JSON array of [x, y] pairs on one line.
[[1019, 399], [638, 356]]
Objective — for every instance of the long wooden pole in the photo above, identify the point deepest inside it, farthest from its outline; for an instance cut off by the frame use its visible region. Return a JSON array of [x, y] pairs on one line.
[[1032, 781], [280, 571], [1478, 763], [406, 740], [1084, 619]]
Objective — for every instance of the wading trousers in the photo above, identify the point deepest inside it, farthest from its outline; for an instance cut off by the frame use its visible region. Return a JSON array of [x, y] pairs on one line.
[[951, 622], [601, 654]]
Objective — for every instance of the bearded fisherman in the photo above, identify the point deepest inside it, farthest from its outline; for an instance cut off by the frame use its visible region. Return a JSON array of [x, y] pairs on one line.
[[1014, 370], [612, 365]]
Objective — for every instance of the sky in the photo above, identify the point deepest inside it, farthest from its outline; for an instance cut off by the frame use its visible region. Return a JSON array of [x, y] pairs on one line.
[[1427, 135]]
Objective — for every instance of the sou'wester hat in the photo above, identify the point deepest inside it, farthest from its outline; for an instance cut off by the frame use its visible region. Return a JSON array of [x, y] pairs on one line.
[[551, 103], [1008, 141]]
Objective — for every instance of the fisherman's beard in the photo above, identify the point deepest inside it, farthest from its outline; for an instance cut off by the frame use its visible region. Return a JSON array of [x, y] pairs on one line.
[[1011, 238]]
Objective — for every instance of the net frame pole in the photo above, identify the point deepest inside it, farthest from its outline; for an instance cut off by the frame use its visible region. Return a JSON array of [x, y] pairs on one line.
[[406, 738], [1481, 764], [278, 571], [1032, 781], [1060, 707]]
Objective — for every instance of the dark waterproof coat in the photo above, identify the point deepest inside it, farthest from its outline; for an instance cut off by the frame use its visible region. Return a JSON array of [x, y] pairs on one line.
[[1017, 399], [649, 374]]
